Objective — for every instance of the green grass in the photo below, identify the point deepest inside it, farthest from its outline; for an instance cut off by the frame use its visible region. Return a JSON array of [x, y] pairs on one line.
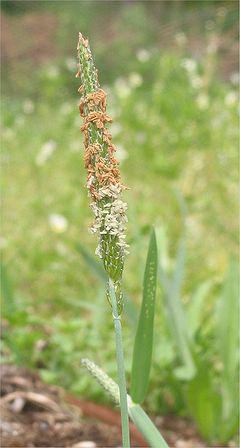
[[172, 136]]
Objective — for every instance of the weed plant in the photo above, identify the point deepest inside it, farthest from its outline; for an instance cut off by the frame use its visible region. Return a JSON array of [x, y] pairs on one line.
[[175, 126], [105, 188]]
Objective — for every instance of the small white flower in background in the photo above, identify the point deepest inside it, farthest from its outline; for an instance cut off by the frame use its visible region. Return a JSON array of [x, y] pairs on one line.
[[71, 64], [122, 88], [58, 223], [231, 98], [19, 121], [219, 366], [8, 133], [188, 130], [53, 72], [198, 162], [135, 80], [116, 128], [190, 65], [181, 38], [143, 55], [223, 158], [121, 153], [222, 11], [66, 108], [61, 249], [219, 119], [209, 25], [234, 78], [140, 137], [3, 242], [212, 46], [193, 225], [85, 444], [45, 152], [202, 101], [196, 81], [28, 106], [75, 146]]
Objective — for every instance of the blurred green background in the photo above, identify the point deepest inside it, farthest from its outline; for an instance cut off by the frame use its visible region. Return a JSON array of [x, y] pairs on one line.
[[170, 71]]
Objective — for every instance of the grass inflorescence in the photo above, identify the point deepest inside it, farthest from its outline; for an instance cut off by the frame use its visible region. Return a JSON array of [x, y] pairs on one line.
[[103, 181]]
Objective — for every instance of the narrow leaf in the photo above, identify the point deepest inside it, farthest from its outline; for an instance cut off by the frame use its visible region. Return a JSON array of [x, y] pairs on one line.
[[7, 292], [195, 309], [227, 342], [203, 401], [178, 275], [146, 427], [177, 317], [142, 354], [227, 321]]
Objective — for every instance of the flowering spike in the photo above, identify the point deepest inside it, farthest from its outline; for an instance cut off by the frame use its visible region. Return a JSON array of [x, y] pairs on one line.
[[104, 380], [103, 180]]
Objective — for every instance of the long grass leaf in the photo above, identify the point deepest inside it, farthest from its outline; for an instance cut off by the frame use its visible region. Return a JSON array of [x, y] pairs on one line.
[[227, 320], [227, 334], [146, 427], [195, 307], [142, 354], [7, 292], [177, 317], [178, 276]]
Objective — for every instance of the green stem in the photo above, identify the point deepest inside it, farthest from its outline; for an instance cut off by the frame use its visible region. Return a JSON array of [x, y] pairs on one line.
[[120, 368]]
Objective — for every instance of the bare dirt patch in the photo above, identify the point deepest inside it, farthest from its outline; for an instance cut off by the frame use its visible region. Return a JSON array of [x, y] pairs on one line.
[[35, 414]]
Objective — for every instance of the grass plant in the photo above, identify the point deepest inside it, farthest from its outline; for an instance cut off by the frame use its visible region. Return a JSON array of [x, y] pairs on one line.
[[175, 128], [105, 190]]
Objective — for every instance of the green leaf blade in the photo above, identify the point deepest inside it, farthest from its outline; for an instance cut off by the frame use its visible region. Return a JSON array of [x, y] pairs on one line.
[[9, 305], [142, 353], [171, 287], [227, 321], [146, 427]]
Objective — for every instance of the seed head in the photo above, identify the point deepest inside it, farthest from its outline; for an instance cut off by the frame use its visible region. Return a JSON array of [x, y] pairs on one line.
[[103, 178], [104, 380]]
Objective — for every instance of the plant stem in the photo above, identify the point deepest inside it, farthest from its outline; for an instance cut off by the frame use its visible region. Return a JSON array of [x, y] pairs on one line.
[[120, 368]]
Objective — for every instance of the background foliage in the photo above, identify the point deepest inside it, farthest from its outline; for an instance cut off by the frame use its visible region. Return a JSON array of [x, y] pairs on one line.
[[170, 70]]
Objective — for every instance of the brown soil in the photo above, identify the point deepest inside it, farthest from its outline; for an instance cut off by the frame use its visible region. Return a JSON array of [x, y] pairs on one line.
[[35, 414], [23, 40]]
